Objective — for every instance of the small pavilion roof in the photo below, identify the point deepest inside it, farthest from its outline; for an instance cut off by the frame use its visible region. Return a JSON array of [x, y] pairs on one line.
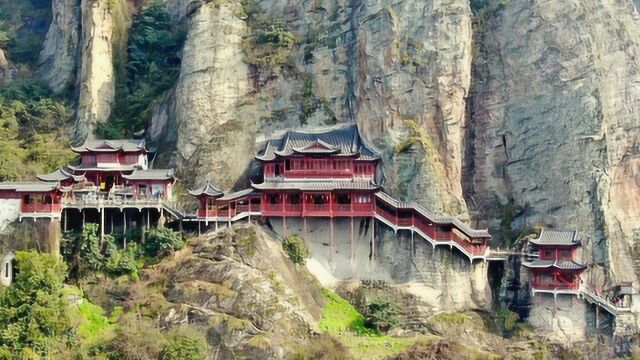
[[207, 189], [559, 264], [556, 237], [317, 185], [155, 174], [60, 175], [30, 186], [341, 141], [237, 194], [128, 145]]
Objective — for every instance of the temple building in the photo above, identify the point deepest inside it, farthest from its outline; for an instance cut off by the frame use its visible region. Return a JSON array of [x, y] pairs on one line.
[[105, 162], [331, 174], [112, 174], [556, 270]]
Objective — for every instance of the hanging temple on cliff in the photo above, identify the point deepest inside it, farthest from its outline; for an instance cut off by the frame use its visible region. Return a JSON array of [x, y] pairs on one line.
[[330, 177]]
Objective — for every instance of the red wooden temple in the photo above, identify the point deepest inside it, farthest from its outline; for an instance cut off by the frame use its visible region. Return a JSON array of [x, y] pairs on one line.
[[330, 174], [36, 199], [556, 271], [112, 173]]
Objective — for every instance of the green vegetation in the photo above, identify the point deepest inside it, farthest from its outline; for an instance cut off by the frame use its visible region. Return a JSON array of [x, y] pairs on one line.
[[295, 248], [183, 348], [270, 45], [163, 241], [33, 310], [32, 137], [21, 30], [338, 316], [85, 251], [382, 315], [341, 319], [152, 68]]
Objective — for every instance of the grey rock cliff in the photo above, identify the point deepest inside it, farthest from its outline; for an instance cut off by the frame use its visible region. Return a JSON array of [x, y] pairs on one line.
[[96, 72], [554, 124], [59, 56]]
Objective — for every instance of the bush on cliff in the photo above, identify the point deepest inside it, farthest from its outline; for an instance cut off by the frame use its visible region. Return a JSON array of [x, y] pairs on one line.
[[33, 311], [295, 248], [162, 241]]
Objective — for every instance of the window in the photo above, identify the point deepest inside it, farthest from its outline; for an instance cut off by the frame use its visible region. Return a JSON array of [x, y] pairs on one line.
[[287, 164], [294, 199], [89, 159], [548, 253], [273, 198], [343, 199], [6, 269], [565, 255], [27, 199], [363, 199]]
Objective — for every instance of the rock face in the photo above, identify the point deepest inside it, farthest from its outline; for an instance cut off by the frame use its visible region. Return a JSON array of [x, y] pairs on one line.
[[239, 284], [96, 73], [554, 122], [379, 64], [59, 56], [212, 138], [441, 278]]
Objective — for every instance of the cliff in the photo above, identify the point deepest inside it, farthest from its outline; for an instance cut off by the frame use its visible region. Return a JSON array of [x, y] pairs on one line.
[[514, 113]]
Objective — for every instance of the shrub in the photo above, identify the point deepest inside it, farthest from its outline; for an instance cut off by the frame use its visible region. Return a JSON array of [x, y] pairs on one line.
[[382, 315], [33, 312], [152, 68], [162, 241], [295, 248], [183, 348], [123, 262]]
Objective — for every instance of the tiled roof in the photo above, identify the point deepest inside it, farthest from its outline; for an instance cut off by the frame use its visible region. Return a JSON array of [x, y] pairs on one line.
[[59, 175], [94, 168], [560, 264], [556, 237], [29, 186], [317, 185], [342, 141], [236, 195], [207, 189], [156, 174], [438, 219], [130, 145]]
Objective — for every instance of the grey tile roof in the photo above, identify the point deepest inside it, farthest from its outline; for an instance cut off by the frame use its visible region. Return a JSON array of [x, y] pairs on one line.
[[560, 264], [129, 145], [556, 237], [438, 219], [94, 168], [155, 174], [59, 175], [342, 141], [317, 185], [236, 195], [207, 189], [28, 186]]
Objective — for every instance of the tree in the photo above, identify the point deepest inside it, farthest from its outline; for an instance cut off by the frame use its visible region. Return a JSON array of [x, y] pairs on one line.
[[382, 315], [182, 348], [33, 311], [295, 248], [162, 241]]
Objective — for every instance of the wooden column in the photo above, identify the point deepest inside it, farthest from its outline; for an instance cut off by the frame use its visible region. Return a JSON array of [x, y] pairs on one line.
[[304, 230], [65, 219], [249, 205], [352, 255], [331, 250], [101, 224], [284, 217], [373, 239], [124, 227]]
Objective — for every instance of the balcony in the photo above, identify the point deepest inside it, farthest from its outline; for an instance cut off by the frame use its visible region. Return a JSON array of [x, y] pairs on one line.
[[38, 208]]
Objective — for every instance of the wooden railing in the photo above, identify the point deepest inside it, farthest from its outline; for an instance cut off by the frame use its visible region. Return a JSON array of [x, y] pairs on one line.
[[41, 208], [554, 285]]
